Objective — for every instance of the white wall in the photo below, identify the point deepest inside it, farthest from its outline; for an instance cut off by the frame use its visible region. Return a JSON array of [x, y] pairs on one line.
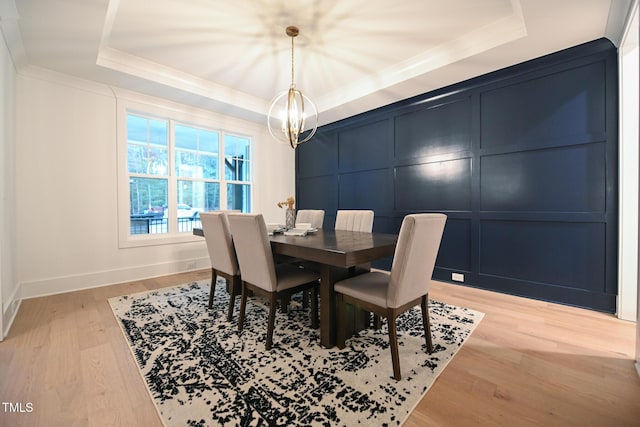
[[9, 296], [66, 181], [629, 155], [630, 132]]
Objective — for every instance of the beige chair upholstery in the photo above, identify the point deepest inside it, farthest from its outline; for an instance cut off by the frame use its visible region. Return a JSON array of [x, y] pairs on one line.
[[262, 276], [224, 263], [313, 216], [391, 294], [357, 220]]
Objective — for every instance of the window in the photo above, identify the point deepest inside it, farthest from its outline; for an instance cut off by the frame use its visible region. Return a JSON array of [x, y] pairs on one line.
[[176, 170], [237, 168], [197, 170], [147, 160]]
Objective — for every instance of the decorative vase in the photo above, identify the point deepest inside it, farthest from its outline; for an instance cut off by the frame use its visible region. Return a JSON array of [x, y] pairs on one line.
[[290, 219]]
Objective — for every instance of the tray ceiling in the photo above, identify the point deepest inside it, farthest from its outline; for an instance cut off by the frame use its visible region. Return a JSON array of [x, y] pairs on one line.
[[351, 56]]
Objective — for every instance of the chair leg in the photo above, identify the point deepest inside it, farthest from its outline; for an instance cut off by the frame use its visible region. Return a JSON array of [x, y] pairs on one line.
[[284, 303], [272, 320], [305, 299], [377, 322], [233, 286], [243, 305], [393, 345], [341, 333], [424, 304], [314, 307], [212, 290]]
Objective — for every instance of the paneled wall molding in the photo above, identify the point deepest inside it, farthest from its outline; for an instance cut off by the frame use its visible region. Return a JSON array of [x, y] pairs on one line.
[[523, 161], [567, 58]]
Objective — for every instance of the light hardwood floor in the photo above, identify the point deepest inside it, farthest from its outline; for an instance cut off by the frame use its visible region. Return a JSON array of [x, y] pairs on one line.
[[527, 363]]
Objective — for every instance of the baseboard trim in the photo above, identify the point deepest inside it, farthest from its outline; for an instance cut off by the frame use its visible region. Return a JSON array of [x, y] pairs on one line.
[[77, 282], [9, 315]]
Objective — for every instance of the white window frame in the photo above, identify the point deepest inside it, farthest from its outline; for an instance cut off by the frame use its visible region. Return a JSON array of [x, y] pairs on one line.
[[183, 115]]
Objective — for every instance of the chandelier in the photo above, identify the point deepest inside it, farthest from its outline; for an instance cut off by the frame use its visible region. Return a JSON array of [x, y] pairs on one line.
[[291, 111]]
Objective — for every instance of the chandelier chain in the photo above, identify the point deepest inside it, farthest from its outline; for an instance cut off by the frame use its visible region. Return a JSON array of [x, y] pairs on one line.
[[292, 61]]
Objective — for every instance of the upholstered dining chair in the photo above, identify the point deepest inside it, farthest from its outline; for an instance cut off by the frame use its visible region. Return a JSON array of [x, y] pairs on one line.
[[313, 216], [262, 276], [391, 294], [354, 220], [224, 263]]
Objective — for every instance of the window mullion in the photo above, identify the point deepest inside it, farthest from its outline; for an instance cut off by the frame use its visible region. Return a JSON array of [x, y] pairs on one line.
[[172, 193], [222, 179]]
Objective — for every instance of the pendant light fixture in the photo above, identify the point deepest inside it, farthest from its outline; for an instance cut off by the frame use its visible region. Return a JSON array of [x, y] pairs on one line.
[[291, 112]]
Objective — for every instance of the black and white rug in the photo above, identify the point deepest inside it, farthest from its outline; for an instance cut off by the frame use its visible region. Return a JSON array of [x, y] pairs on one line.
[[201, 371]]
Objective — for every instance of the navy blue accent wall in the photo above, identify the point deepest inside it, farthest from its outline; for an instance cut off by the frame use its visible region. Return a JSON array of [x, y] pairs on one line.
[[523, 161]]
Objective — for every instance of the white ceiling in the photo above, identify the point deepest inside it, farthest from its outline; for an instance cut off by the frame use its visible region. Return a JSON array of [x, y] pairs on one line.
[[233, 56]]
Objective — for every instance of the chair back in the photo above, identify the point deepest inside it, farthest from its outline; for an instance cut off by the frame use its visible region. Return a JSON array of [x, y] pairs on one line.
[[313, 216], [355, 220], [253, 250], [414, 257], [217, 234]]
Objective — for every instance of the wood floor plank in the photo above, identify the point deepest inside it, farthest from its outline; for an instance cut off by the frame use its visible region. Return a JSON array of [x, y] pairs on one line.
[[528, 363]]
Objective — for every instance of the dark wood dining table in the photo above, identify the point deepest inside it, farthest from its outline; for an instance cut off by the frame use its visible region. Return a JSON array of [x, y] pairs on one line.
[[337, 254]]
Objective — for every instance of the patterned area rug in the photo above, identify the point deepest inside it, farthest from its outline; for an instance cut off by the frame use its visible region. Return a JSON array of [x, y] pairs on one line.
[[200, 371]]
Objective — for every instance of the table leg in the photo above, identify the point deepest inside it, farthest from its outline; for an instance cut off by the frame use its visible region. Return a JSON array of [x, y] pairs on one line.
[[327, 308], [328, 322]]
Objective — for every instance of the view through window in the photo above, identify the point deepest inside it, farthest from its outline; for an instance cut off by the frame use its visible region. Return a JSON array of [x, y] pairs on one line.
[[178, 170]]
